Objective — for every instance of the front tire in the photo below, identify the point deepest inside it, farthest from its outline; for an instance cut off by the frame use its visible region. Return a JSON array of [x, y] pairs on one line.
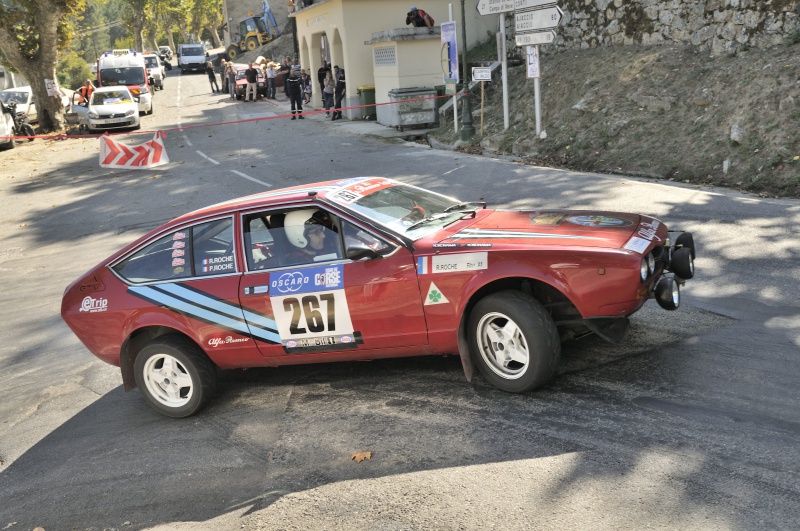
[[513, 341], [176, 378], [27, 130]]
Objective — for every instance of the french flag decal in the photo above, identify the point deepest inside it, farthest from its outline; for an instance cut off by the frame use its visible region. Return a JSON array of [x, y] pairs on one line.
[[422, 265]]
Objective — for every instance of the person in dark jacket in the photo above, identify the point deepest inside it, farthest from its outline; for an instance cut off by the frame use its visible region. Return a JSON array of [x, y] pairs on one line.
[[295, 86], [212, 77], [339, 92], [251, 74]]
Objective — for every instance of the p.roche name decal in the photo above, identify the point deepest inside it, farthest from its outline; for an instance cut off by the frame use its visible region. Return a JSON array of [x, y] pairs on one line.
[[451, 263]]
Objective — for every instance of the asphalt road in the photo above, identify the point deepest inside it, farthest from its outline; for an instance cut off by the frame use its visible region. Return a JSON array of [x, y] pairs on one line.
[[691, 423]]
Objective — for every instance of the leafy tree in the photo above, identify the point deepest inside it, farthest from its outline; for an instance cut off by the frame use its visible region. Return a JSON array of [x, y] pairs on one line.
[[31, 34]]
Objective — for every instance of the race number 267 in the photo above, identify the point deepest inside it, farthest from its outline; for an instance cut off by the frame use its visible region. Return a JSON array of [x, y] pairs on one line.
[[309, 310]]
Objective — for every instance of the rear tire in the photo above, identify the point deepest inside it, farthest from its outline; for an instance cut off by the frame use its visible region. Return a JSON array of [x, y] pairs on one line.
[[513, 341], [251, 44], [175, 377], [27, 130]]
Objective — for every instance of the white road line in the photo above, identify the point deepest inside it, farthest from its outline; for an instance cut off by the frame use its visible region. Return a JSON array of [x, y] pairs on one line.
[[186, 138], [240, 174], [209, 159]]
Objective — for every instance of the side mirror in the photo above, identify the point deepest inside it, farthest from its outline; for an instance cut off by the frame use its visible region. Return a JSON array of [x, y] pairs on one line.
[[357, 251]]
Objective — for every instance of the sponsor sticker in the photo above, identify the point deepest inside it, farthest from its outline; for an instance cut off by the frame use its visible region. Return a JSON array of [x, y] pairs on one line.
[[435, 296], [92, 305], [227, 340], [178, 270], [179, 236], [308, 280], [178, 262], [648, 230], [599, 221], [446, 245], [453, 263], [178, 245], [177, 253], [549, 218], [638, 245]]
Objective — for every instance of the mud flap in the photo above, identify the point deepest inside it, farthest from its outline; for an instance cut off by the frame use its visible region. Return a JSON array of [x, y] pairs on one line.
[[463, 351]]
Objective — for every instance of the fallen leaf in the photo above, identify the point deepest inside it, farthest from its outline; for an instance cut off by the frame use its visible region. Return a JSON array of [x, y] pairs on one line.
[[360, 456]]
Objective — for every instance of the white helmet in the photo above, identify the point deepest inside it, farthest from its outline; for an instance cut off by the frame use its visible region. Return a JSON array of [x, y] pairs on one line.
[[295, 224]]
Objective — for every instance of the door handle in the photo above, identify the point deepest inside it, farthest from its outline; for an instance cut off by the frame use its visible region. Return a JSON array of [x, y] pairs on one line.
[[256, 290]]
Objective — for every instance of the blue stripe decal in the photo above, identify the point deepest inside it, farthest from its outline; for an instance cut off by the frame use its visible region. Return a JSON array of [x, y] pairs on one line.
[[202, 313], [221, 306]]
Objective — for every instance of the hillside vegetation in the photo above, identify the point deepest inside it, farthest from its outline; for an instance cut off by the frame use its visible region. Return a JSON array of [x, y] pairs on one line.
[[667, 112]]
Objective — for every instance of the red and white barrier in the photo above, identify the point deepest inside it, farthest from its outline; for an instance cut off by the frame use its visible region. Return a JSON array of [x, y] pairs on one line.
[[114, 154]]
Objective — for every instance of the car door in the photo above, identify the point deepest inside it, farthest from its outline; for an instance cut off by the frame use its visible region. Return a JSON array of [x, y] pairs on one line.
[[332, 304], [191, 275]]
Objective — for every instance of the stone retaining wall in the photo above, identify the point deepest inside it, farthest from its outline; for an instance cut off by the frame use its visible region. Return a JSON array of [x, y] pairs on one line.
[[721, 26]]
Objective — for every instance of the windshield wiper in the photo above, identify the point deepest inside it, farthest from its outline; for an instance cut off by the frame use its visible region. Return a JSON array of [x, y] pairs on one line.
[[423, 221], [461, 206]]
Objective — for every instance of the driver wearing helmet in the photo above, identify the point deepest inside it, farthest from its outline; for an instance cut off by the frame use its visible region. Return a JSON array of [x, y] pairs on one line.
[[306, 230]]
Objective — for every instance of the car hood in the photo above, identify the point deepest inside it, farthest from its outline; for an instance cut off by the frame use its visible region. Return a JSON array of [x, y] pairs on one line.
[[575, 228], [116, 108]]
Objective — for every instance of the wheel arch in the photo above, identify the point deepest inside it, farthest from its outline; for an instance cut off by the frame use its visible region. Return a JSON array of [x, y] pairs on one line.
[[564, 313], [136, 341]]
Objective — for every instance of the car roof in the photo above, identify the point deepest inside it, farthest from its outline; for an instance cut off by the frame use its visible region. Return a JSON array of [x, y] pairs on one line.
[[24, 88], [113, 88], [301, 192]]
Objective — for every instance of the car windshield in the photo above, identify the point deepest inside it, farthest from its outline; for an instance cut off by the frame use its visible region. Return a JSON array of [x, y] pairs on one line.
[[132, 75], [193, 50], [8, 97], [111, 98], [152, 62], [408, 210]]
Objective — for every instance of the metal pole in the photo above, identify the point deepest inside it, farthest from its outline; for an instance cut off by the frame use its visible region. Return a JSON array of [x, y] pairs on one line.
[[467, 129], [538, 99], [482, 95], [455, 101], [504, 69]]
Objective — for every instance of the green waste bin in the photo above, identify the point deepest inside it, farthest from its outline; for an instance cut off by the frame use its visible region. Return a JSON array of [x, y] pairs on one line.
[[367, 97]]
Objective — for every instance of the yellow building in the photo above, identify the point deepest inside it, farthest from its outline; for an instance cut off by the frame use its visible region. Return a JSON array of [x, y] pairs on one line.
[[371, 41]]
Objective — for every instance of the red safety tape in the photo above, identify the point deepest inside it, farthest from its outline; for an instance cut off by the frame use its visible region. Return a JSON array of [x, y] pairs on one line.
[[65, 136]]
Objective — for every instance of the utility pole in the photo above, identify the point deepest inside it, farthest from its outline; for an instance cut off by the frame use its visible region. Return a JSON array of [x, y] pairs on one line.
[[467, 129]]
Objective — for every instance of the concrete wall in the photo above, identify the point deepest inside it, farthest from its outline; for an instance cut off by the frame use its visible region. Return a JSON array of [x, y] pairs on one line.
[[717, 25]]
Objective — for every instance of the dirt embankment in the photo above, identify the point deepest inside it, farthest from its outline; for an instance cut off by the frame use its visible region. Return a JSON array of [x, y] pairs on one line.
[[670, 112]]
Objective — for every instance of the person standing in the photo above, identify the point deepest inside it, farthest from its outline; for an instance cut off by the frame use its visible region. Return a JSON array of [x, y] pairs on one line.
[[85, 92], [212, 77], [223, 79], [295, 86], [230, 75], [339, 92], [251, 74], [328, 87], [286, 66], [324, 69], [271, 74]]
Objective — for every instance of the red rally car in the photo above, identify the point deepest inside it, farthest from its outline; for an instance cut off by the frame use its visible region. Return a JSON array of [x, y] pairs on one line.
[[362, 269]]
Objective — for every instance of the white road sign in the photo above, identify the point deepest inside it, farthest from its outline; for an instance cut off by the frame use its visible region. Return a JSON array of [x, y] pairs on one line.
[[519, 5], [540, 19], [540, 37], [481, 73], [493, 7], [533, 61]]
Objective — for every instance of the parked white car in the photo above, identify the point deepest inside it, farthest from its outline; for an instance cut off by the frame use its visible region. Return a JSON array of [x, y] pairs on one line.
[[26, 103], [6, 128], [156, 71], [112, 108]]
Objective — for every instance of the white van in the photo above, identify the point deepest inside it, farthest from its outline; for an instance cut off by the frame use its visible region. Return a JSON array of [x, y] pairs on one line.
[[191, 57], [126, 67]]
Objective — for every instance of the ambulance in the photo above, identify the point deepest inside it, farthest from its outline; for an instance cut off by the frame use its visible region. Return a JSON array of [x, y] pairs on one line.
[[126, 67]]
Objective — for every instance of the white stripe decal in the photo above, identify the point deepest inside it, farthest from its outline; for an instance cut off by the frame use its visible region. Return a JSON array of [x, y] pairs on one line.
[[477, 233]]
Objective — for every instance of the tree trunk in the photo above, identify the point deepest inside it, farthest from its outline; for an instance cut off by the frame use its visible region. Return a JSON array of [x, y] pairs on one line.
[[182, 29], [42, 66], [211, 29]]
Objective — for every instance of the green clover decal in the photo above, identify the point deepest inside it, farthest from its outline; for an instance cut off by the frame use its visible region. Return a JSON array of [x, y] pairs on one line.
[[434, 296]]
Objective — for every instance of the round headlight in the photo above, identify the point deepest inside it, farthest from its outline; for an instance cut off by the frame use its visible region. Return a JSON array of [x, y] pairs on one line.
[[651, 263], [644, 270]]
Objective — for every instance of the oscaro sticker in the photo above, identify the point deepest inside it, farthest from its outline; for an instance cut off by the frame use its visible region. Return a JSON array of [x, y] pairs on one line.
[[599, 221], [308, 280], [91, 305]]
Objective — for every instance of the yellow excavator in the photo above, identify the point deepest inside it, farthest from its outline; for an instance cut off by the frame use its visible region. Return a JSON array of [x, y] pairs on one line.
[[252, 34]]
